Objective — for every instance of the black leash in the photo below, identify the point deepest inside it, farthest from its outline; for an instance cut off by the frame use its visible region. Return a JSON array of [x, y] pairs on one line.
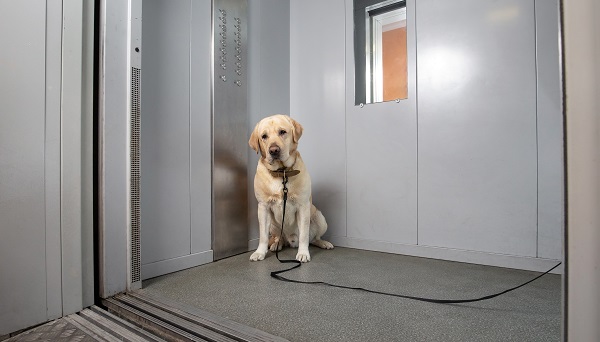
[[276, 274]]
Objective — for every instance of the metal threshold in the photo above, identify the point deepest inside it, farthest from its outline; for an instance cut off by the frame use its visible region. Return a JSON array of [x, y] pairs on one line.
[[176, 321]]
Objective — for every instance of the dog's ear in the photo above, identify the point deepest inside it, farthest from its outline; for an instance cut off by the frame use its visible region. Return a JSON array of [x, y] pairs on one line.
[[297, 131], [254, 141]]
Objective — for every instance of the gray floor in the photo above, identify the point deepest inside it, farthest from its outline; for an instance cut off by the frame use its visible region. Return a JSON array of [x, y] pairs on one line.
[[244, 292]]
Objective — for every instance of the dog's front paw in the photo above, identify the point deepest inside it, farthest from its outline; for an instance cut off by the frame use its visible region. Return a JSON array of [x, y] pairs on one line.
[[257, 256], [303, 256]]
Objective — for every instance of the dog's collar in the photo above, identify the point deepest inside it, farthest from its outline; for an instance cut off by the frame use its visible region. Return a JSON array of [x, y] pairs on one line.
[[284, 172]]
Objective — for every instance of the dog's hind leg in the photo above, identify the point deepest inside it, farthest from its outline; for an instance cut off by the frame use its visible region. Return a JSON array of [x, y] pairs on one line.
[[275, 244], [322, 244], [275, 241], [318, 227]]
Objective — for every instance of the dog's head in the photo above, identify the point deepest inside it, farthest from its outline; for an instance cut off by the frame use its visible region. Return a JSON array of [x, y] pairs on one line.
[[276, 138]]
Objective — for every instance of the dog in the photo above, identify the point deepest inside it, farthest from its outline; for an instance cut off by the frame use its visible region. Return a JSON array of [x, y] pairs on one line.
[[276, 139]]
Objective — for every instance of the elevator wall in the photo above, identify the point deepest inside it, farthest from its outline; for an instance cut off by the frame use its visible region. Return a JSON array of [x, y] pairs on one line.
[[46, 227], [179, 109], [230, 122], [175, 186], [176, 146], [469, 167], [269, 80]]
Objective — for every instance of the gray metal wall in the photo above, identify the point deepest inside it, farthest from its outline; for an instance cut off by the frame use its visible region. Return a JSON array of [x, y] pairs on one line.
[[175, 136], [170, 98], [113, 162], [46, 252], [550, 139], [176, 125], [477, 142], [23, 209], [268, 77], [230, 122], [582, 87], [317, 101], [178, 113], [469, 167]]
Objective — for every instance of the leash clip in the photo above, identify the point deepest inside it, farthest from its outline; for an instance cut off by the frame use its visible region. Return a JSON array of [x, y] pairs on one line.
[[285, 189]]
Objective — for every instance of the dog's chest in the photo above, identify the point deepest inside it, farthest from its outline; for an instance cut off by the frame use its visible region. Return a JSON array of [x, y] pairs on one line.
[[272, 196], [290, 214], [271, 192], [274, 193]]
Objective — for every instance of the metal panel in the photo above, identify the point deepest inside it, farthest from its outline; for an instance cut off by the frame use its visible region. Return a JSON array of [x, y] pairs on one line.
[[268, 77], [317, 94], [87, 155], [76, 160], [176, 136], [44, 112], [22, 138], [200, 128], [382, 156], [165, 141], [134, 261], [71, 116], [230, 122], [113, 182], [477, 126], [551, 213], [52, 158], [582, 104]]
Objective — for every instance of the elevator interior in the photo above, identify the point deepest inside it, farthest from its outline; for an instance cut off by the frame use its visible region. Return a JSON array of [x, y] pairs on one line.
[[469, 167], [474, 151]]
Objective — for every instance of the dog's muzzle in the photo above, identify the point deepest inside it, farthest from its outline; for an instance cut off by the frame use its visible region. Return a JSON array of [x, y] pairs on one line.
[[274, 152]]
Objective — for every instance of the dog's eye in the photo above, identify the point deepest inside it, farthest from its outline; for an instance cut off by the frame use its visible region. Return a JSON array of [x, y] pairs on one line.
[[264, 136], [282, 132]]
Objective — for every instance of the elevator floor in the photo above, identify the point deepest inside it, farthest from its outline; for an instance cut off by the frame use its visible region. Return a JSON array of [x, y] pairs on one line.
[[243, 291]]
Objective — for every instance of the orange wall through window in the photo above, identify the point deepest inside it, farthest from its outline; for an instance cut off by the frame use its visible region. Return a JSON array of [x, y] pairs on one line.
[[394, 64]]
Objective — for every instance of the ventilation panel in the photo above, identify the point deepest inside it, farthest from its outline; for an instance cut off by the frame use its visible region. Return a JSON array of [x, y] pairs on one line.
[[135, 177], [135, 63]]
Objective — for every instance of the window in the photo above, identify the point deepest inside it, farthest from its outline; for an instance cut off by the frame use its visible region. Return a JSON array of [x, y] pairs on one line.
[[383, 73]]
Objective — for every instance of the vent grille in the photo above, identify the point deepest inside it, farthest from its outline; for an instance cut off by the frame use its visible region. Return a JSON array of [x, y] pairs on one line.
[[135, 176]]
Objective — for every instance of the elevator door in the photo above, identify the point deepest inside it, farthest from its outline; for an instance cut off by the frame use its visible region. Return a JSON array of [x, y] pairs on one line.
[[175, 185]]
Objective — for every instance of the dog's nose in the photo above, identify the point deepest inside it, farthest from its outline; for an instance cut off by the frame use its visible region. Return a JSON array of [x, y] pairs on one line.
[[274, 150]]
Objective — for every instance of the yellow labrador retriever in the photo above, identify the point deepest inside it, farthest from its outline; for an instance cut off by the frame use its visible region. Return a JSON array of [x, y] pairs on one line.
[[276, 138]]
